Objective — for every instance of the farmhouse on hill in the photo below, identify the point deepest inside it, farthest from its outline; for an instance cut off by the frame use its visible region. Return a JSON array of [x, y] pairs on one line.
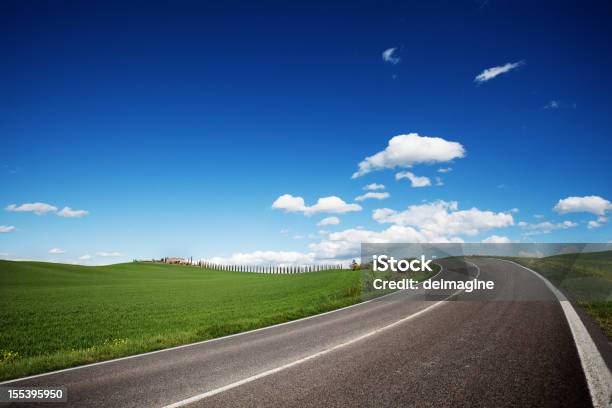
[[177, 261]]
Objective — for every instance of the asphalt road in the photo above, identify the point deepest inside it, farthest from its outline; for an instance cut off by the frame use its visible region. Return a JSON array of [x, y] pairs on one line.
[[511, 347]]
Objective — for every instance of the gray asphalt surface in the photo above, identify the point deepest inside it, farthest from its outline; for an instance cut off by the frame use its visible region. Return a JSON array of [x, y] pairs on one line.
[[511, 347]]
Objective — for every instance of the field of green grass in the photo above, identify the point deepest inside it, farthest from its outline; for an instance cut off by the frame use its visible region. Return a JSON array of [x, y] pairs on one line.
[[55, 316], [586, 278]]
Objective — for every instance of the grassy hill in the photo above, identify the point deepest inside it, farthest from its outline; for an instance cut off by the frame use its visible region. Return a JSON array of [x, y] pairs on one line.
[[54, 315], [585, 277]]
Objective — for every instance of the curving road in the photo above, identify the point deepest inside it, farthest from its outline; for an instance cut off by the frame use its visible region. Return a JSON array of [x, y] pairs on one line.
[[512, 347]]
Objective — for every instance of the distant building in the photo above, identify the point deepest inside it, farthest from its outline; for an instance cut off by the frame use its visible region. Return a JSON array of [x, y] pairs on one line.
[[176, 261]]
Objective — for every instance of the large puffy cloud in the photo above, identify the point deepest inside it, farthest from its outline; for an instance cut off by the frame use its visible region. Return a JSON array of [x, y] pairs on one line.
[[437, 222], [278, 258], [331, 204], [445, 218], [371, 194], [36, 208], [410, 149], [492, 72], [415, 181], [592, 204], [545, 227], [347, 243]]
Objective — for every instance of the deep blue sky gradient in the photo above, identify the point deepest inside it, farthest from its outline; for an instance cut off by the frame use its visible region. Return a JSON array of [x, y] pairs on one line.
[[177, 124]]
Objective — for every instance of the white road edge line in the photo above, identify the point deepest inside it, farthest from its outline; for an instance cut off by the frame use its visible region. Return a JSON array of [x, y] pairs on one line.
[[203, 341], [598, 376], [227, 387]]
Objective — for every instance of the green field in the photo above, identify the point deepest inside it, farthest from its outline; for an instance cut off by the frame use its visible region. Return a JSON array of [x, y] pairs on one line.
[[54, 316], [586, 278]]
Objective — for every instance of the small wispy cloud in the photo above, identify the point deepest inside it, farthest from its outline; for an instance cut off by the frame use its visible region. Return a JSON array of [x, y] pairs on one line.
[[109, 254], [493, 72], [374, 186], [445, 170], [85, 257], [415, 181], [329, 221], [57, 251], [44, 208], [545, 227], [552, 105], [70, 213], [6, 229], [36, 208], [388, 55], [377, 196]]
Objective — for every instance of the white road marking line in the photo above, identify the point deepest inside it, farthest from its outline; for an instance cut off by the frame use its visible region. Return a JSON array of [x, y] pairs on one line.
[[227, 387], [598, 376], [203, 341]]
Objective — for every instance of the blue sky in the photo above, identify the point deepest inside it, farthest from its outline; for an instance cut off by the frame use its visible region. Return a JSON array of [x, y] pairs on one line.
[[177, 126]]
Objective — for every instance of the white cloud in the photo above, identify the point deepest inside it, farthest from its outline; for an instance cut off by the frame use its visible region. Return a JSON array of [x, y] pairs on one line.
[[6, 229], [592, 204], [85, 257], [378, 196], [57, 251], [289, 203], [415, 181], [439, 181], [437, 222], [70, 213], [276, 258], [331, 204], [491, 73], [514, 210], [36, 208], [444, 218], [43, 208], [596, 224], [552, 105], [329, 221], [410, 149], [496, 239], [374, 186], [545, 227], [445, 170], [347, 243], [388, 56], [109, 254]]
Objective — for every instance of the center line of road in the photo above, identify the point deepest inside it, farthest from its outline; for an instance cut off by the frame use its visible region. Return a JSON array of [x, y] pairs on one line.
[[227, 387]]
